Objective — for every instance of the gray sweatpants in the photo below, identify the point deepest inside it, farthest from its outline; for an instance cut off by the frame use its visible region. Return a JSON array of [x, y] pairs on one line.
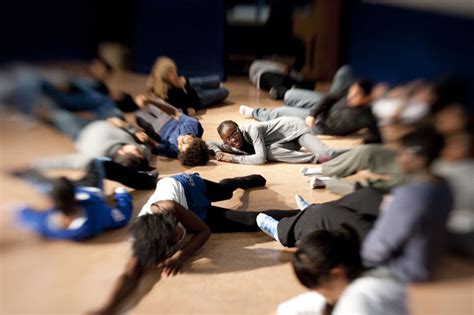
[[374, 157]]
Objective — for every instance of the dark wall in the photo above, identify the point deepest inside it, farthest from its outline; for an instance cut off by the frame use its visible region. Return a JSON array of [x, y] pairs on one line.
[[47, 30], [396, 45], [190, 32]]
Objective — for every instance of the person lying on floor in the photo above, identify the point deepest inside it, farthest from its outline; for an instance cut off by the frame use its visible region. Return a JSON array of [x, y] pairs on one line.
[[278, 140], [328, 263], [96, 139], [343, 113], [276, 78], [357, 210], [80, 210], [186, 94], [180, 206], [176, 134], [451, 120], [31, 87]]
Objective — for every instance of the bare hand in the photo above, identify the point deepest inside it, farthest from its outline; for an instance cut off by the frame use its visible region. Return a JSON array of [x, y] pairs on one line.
[[117, 122], [141, 136], [141, 99], [171, 266], [191, 111], [223, 157], [181, 82], [310, 121]]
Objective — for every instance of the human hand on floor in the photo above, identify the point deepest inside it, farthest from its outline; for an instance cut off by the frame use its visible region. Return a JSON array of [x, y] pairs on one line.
[[220, 156], [171, 266], [310, 121]]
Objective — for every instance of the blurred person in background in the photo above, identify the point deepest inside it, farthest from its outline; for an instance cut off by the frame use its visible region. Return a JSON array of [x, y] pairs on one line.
[[186, 94]]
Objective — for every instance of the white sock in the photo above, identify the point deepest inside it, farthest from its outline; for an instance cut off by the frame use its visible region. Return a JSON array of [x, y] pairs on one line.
[[301, 203], [245, 110], [317, 170], [318, 182], [268, 225]]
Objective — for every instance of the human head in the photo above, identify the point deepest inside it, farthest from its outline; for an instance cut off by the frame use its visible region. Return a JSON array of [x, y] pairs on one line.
[[450, 118], [328, 261], [419, 149], [193, 151], [163, 75], [230, 133], [154, 237], [63, 195], [359, 93], [100, 69], [459, 146], [131, 156]]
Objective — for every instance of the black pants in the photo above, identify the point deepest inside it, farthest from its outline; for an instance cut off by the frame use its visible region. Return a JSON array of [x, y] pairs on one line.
[[282, 83], [97, 170], [221, 220]]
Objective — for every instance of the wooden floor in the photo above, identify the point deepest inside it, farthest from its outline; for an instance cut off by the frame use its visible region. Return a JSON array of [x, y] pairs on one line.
[[240, 273]]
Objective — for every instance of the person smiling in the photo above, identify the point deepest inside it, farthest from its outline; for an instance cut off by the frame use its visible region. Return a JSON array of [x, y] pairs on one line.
[[278, 140]]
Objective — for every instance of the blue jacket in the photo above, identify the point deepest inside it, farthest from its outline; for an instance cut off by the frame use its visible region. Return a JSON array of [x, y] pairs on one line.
[[98, 216]]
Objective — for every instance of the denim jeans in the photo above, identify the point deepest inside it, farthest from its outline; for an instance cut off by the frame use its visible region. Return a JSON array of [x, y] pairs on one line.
[[208, 90]]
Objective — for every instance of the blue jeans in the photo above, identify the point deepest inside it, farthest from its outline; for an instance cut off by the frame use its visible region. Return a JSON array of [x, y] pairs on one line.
[[208, 90]]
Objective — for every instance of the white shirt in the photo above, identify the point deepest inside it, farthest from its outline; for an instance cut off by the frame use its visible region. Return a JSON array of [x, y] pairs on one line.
[[383, 109], [364, 296], [166, 189]]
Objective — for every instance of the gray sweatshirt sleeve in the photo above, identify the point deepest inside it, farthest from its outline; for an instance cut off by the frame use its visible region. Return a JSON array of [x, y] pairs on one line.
[[68, 161], [258, 140]]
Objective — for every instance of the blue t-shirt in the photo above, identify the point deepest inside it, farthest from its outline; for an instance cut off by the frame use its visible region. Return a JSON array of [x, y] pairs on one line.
[[195, 191], [98, 216]]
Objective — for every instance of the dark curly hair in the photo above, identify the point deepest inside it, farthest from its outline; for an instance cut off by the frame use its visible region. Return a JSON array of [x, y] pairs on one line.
[[196, 154]]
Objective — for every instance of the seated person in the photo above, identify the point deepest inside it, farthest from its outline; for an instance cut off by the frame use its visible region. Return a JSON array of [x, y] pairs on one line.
[[329, 264], [79, 212], [342, 113], [174, 131], [186, 94], [410, 233], [276, 140], [357, 210]]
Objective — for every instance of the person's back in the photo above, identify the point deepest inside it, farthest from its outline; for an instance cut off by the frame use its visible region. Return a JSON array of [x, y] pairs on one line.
[[98, 138]]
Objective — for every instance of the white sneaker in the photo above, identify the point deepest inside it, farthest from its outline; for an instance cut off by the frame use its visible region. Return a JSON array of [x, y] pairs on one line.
[[245, 110], [311, 171]]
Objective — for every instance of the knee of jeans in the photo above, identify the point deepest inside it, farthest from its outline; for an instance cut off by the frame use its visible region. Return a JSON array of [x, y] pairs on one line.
[[344, 70]]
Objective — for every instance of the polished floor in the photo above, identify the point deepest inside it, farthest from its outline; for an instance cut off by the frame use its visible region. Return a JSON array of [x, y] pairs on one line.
[[240, 273]]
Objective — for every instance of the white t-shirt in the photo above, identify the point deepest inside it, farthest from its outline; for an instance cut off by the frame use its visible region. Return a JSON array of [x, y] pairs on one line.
[[364, 296], [166, 189], [384, 109]]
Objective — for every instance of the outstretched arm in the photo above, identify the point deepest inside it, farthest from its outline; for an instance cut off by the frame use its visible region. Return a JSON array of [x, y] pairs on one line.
[[123, 288], [193, 224]]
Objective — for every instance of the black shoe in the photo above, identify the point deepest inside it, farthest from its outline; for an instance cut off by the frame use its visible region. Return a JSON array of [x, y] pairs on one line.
[[252, 181]]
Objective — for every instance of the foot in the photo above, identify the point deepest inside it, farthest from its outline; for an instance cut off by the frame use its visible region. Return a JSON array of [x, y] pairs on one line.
[[252, 181], [273, 93], [245, 110], [317, 170], [301, 203], [316, 182], [268, 225]]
